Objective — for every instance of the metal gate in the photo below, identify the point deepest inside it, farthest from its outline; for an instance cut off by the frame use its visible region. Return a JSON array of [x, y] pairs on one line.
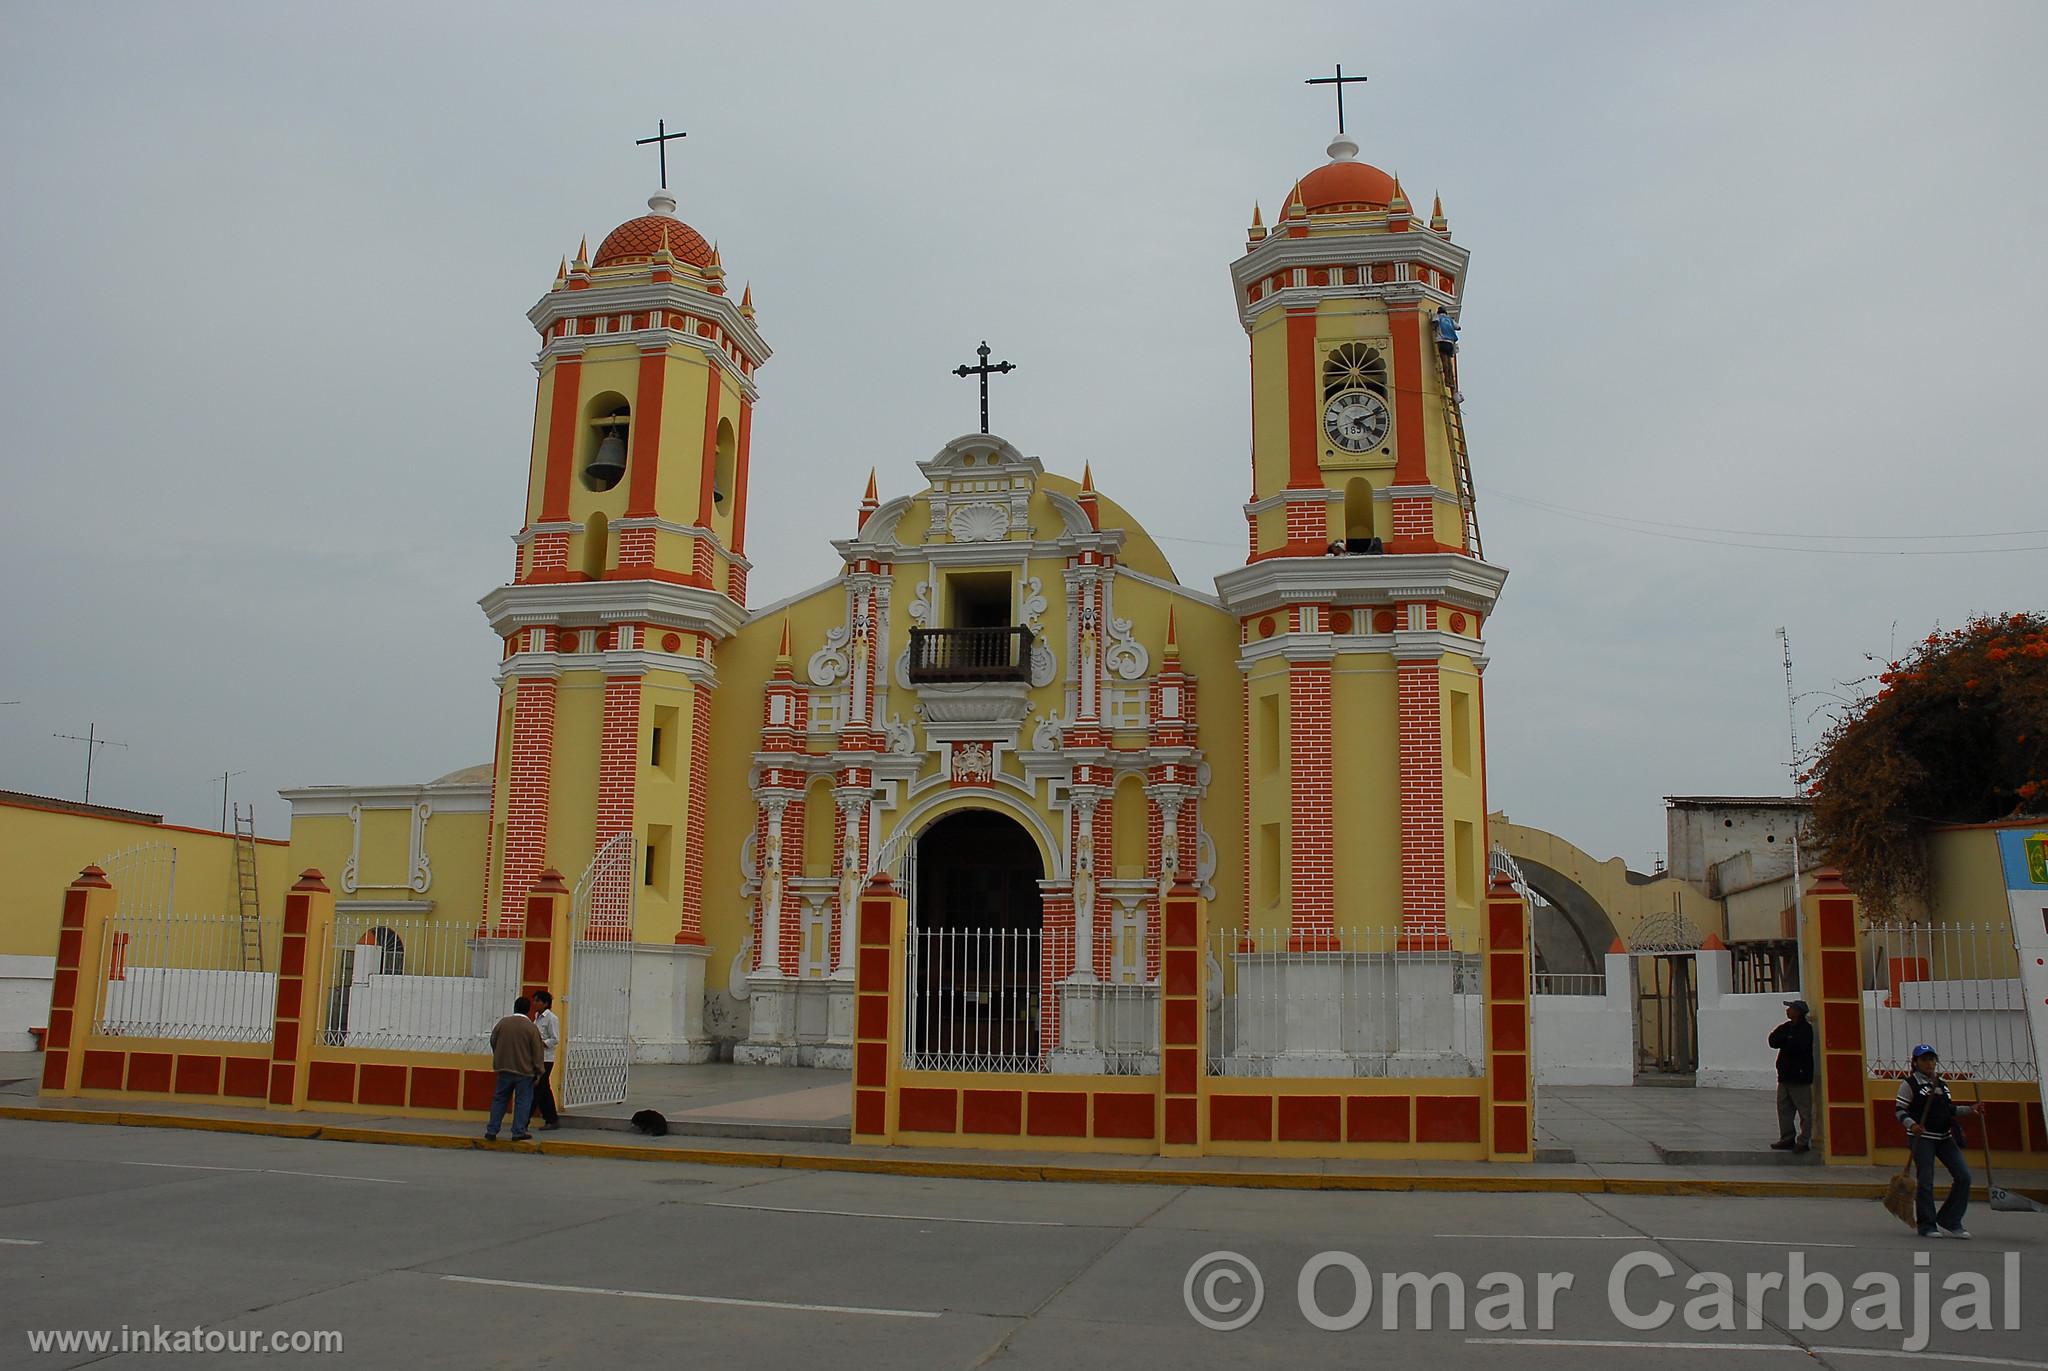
[[1667, 1015], [597, 1044]]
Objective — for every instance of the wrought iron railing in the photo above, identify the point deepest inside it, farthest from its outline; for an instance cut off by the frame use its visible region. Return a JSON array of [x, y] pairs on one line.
[[939, 655]]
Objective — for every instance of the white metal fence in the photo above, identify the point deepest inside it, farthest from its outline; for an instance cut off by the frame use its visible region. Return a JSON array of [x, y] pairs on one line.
[[172, 975], [1954, 986], [1364, 1007], [1568, 983], [415, 982], [973, 999]]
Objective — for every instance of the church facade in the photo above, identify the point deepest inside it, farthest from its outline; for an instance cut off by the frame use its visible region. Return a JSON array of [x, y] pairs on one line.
[[1004, 699]]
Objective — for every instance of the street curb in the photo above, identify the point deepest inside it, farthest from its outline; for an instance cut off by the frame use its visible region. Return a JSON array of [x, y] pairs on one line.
[[881, 1164]]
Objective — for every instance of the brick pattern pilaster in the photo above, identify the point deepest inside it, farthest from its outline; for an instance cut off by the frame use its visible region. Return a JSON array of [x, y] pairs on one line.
[[547, 557], [636, 549], [1420, 728], [530, 775], [1308, 527], [75, 982], [1832, 963], [690, 929], [618, 758], [1510, 1100], [1056, 962], [1313, 921], [878, 1011], [544, 956], [1414, 519]]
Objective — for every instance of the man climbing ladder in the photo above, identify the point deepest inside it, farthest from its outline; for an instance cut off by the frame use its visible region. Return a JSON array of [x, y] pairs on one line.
[[1447, 352]]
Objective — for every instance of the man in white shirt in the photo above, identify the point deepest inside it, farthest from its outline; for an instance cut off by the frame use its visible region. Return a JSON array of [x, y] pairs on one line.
[[551, 1038]]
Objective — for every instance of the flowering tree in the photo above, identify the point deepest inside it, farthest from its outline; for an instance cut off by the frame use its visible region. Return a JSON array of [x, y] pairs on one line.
[[1957, 732]]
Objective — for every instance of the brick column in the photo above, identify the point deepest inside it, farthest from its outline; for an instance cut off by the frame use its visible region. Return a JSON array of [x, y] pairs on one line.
[[1829, 919], [308, 929], [690, 928], [544, 958], [1509, 1075], [1312, 924], [618, 760], [878, 1011], [1057, 953], [530, 772], [1183, 1022], [75, 988], [1421, 724]]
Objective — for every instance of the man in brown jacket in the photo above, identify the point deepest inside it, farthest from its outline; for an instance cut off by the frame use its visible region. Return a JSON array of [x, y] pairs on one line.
[[516, 1051]]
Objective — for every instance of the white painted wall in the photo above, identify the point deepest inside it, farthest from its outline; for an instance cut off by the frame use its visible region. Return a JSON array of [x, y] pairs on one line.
[[1735, 1030], [1587, 1039], [24, 1000]]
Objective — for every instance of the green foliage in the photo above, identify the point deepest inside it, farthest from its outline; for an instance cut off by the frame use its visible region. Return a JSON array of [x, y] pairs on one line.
[[1956, 733]]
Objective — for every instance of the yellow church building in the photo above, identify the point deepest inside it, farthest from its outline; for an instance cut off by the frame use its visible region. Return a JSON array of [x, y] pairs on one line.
[[1005, 699]]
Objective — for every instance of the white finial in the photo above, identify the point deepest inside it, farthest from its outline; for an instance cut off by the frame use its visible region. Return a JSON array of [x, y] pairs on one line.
[[661, 202], [1343, 148]]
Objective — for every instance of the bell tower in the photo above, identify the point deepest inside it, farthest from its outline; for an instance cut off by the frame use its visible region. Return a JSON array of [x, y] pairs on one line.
[[630, 570], [1363, 596]]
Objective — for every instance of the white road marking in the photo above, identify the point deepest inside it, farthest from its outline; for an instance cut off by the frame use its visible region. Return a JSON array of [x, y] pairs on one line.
[[270, 1171], [1890, 1353], [864, 1214], [699, 1299], [1637, 1237], [20, 1242]]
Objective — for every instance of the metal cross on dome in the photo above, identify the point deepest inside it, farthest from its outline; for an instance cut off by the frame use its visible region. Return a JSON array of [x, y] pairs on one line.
[[661, 139], [1340, 80], [983, 372]]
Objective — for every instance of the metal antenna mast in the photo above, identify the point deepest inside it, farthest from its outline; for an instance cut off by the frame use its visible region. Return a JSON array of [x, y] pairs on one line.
[[93, 743], [1798, 791]]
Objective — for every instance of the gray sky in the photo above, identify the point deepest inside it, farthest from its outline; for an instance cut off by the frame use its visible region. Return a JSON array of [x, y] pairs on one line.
[[268, 397]]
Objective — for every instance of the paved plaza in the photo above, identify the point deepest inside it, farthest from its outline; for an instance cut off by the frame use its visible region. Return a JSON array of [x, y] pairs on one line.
[[433, 1258]]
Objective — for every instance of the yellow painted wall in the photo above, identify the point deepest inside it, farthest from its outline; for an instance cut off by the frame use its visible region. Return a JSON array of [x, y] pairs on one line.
[[455, 851], [43, 850], [1366, 790]]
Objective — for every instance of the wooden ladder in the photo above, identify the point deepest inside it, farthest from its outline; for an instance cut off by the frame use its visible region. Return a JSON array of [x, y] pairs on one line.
[[245, 888], [1468, 501]]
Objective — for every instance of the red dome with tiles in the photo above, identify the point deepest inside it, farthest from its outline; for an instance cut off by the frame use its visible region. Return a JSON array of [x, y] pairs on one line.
[[637, 240], [1337, 186]]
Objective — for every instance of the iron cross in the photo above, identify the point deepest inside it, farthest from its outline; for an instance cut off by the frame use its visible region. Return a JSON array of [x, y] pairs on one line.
[[1340, 80], [982, 371], [662, 138]]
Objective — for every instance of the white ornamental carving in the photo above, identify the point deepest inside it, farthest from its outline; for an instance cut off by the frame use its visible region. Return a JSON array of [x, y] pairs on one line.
[[1045, 668], [973, 764], [1125, 655], [921, 603], [828, 664], [902, 737], [736, 981], [979, 523], [1046, 737]]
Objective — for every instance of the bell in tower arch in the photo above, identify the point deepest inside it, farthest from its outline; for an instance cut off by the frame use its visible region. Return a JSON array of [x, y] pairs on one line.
[[607, 465]]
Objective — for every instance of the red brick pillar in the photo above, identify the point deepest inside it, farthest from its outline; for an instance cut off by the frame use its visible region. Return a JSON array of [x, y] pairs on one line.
[[1312, 924], [1509, 1071], [530, 770], [690, 927], [1183, 991], [1829, 926], [1421, 725], [75, 988], [308, 929], [878, 1011], [544, 960]]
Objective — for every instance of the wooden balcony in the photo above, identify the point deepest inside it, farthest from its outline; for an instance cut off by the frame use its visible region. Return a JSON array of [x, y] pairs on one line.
[[966, 655]]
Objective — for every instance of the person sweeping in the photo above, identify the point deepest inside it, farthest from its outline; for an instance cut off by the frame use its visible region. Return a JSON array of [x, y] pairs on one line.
[[1928, 1113]]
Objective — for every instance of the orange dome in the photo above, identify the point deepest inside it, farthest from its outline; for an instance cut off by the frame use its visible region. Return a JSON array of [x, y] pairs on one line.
[[637, 240], [1346, 186]]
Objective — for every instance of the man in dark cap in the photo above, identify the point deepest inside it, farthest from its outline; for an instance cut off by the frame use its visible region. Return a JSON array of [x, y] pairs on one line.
[[1794, 1041]]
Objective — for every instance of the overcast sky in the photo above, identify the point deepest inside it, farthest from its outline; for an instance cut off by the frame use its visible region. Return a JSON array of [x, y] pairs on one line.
[[1737, 269]]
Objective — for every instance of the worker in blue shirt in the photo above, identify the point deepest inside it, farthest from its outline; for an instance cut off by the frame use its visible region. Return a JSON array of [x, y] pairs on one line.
[[1447, 351]]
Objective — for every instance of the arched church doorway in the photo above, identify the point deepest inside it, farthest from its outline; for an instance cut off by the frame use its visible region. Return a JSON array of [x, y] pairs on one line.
[[976, 945]]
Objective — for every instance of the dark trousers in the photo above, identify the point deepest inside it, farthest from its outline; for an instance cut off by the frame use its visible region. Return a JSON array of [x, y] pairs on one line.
[[544, 1095], [1925, 1151], [518, 1088]]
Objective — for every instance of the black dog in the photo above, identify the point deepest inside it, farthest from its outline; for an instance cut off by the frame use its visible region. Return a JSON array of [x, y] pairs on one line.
[[651, 1122]]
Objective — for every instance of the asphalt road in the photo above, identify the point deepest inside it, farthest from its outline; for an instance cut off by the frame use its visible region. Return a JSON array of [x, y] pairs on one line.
[[423, 1258]]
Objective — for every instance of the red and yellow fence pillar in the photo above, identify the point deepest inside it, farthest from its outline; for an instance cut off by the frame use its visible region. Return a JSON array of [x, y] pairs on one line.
[[544, 955], [301, 959], [1184, 927], [75, 988], [1829, 920], [877, 1022], [1510, 1118]]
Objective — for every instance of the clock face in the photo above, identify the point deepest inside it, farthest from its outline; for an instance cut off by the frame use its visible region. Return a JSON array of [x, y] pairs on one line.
[[1356, 420]]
